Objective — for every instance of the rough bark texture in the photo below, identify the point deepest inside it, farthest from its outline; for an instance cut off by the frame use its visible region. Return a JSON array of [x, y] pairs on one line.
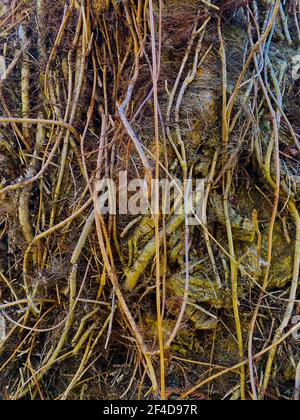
[[129, 306]]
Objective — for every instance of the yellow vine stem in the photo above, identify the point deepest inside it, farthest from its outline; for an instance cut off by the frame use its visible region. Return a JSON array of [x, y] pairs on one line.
[[187, 81], [187, 274], [63, 124], [254, 318], [10, 334], [25, 84], [249, 60], [92, 343], [234, 286], [100, 227], [241, 364], [172, 96], [227, 186], [108, 260], [293, 293], [68, 324], [210, 5], [2, 80], [24, 200], [67, 15], [35, 121], [155, 76], [15, 9], [53, 357], [79, 76], [148, 253], [273, 147], [53, 230], [225, 123]]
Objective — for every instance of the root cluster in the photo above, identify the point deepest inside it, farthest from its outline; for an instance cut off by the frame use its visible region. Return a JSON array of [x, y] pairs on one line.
[[176, 90]]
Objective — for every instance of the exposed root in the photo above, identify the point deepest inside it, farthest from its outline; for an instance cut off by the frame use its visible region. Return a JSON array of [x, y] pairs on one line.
[[143, 306]]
